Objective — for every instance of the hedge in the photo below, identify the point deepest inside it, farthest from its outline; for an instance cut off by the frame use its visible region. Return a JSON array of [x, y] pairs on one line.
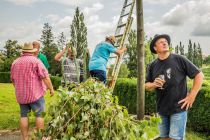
[[198, 115], [5, 78], [125, 89], [56, 82]]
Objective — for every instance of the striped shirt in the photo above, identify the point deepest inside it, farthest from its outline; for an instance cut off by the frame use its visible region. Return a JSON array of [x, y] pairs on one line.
[[26, 73], [70, 71]]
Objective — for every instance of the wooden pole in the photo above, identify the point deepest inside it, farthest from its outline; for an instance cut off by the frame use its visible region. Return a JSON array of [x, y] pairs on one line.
[[140, 60]]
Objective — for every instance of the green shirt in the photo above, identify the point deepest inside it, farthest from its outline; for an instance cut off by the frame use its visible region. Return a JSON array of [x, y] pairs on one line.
[[43, 58]]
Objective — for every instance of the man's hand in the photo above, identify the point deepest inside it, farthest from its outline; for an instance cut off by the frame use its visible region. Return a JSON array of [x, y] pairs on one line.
[[52, 92], [188, 101], [158, 83]]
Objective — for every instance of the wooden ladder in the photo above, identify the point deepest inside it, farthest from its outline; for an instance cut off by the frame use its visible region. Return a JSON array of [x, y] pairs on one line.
[[121, 35]]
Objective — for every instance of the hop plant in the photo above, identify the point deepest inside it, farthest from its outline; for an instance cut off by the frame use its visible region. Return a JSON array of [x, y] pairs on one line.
[[90, 111]]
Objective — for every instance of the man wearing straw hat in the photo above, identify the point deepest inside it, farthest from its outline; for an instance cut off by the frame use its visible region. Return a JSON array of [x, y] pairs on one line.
[[99, 59], [30, 78]]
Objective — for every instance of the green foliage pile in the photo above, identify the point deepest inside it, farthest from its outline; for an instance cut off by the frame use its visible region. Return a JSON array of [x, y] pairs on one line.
[[90, 111]]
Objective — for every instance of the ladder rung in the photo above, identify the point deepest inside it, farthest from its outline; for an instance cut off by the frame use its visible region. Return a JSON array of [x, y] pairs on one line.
[[113, 57], [120, 35], [119, 26], [128, 5], [124, 15]]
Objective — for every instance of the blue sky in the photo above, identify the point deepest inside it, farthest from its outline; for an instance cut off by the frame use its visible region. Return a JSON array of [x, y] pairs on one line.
[[182, 19]]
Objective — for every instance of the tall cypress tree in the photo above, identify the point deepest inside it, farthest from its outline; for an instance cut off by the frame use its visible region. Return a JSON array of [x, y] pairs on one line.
[[131, 53], [200, 56], [79, 33], [50, 48], [190, 51], [61, 42], [177, 49], [195, 54], [181, 48]]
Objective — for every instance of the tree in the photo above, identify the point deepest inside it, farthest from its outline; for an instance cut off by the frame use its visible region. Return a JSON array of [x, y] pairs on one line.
[[79, 33], [132, 54], [50, 49], [181, 48], [195, 55], [200, 56], [124, 71], [190, 51], [207, 60], [12, 49], [131, 59], [149, 56], [61, 41], [1, 57], [177, 49]]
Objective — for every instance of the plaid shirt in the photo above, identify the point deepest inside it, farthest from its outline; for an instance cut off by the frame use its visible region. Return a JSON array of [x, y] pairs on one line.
[[26, 74]]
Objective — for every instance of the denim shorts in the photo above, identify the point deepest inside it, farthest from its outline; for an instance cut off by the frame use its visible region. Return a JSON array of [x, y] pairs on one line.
[[99, 74], [38, 107], [173, 126]]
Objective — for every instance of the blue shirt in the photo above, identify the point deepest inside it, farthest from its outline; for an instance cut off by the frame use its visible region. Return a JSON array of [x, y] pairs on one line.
[[101, 55]]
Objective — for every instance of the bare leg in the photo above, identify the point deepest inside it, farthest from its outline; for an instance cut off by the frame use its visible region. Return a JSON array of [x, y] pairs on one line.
[[39, 123], [24, 127]]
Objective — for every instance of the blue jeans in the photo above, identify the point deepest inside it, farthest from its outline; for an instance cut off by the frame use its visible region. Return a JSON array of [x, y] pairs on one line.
[[99, 74], [38, 107], [173, 126]]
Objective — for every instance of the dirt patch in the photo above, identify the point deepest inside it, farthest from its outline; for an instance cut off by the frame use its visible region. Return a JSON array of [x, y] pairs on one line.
[[10, 135]]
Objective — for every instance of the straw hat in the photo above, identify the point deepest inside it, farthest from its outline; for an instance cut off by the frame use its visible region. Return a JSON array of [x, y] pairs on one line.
[[112, 39], [28, 47]]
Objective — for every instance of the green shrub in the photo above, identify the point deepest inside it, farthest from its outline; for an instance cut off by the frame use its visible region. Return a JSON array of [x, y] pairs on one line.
[[5, 77], [199, 114], [56, 82], [125, 89]]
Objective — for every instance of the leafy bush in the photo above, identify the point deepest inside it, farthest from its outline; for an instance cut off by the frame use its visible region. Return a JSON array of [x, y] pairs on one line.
[[5, 77], [126, 90], [56, 82], [199, 114], [90, 111]]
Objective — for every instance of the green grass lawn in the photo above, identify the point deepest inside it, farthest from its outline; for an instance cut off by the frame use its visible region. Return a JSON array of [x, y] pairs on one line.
[[9, 108], [9, 116]]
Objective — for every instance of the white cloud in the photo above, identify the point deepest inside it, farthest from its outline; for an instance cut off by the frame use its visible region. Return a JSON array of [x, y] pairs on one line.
[[202, 27], [176, 16], [195, 14], [72, 2], [91, 10], [53, 17], [21, 32], [64, 22], [98, 30], [158, 1], [23, 2]]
